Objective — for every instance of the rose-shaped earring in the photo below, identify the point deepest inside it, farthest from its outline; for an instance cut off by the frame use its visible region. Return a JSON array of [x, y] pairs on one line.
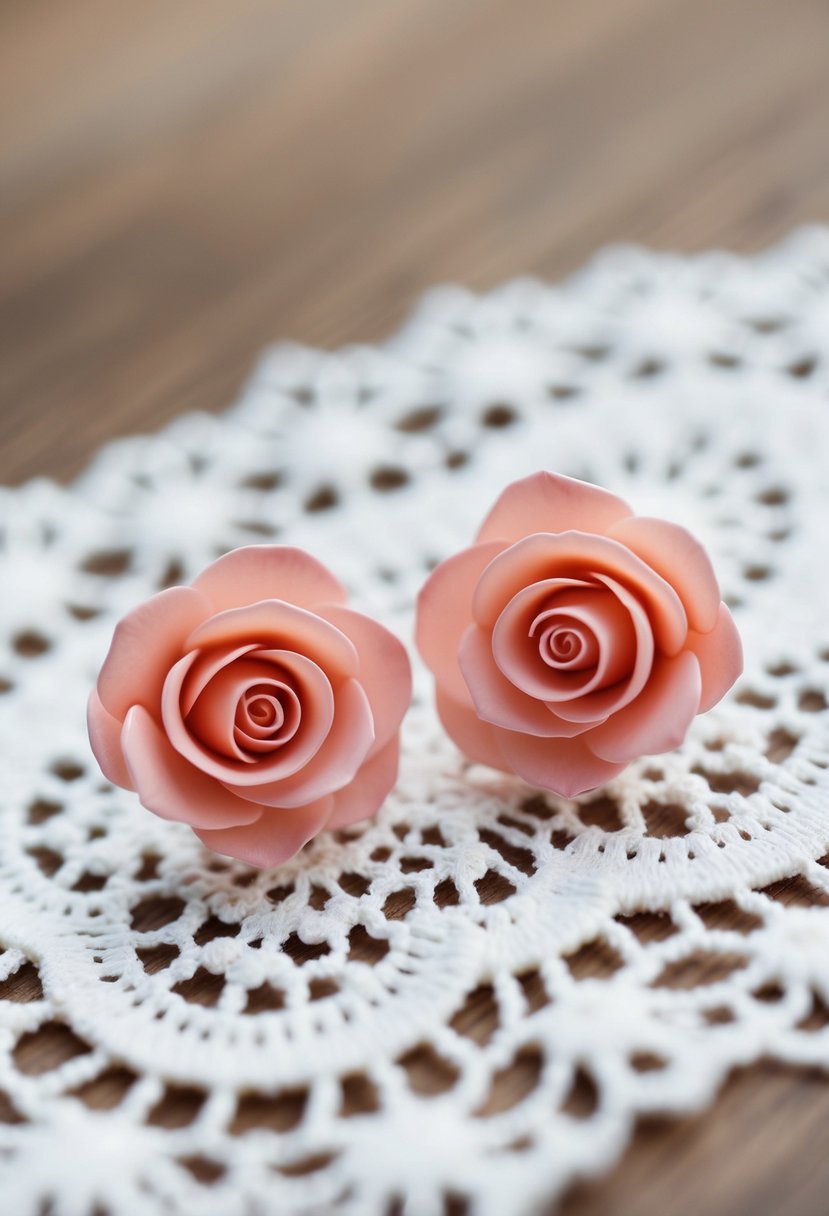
[[574, 636], [253, 705]]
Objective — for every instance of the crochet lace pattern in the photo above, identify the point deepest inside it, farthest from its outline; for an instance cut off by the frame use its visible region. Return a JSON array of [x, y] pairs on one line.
[[410, 1016]]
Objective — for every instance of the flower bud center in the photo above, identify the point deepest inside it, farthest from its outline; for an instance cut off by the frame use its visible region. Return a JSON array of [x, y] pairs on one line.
[[564, 643], [265, 711], [267, 715]]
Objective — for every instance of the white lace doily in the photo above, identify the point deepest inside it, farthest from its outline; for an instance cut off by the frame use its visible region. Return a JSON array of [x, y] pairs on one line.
[[399, 1019]]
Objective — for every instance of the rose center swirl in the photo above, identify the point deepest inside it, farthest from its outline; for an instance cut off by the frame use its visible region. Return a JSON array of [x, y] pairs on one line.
[[267, 715], [265, 711], [564, 642], [248, 708]]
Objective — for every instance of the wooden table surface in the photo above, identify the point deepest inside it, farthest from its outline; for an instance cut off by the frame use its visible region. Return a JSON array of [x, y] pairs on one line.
[[182, 181]]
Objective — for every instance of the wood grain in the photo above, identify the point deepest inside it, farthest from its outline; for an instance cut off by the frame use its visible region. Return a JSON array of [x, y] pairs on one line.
[[181, 183]]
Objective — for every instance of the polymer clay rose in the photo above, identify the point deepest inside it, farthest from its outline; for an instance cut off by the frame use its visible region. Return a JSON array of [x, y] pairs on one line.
[[574, 636], [253, 705]]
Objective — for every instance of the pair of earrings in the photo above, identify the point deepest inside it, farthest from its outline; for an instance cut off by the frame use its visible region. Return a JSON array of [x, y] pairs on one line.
[[569, 639]]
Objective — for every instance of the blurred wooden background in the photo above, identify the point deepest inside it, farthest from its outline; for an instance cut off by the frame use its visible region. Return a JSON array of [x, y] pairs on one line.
[[182, 181]]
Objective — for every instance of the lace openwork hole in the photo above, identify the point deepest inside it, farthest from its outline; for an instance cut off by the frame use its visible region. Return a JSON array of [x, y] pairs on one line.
[[31, 644], [50, 1046]]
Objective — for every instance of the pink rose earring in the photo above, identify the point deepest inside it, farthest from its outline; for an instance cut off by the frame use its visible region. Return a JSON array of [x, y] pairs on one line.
[[253, 705], [574, 636]]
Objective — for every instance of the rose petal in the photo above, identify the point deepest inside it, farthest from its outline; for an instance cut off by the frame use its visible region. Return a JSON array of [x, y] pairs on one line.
[[681, 560], [276, 624], [720, 655], [204, 665], [574, 555], [145, 645], [105, 740], [548, 502], [476, 739], [273, 838], [333, 766], [385, 672], [316, 699], [659, 717], [172, 788], [369, 789], [444, 610], [565, 766], [268, 572], [499, 702]]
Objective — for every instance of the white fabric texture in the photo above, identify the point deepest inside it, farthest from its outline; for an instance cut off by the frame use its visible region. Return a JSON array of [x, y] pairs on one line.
[[313, 1022]]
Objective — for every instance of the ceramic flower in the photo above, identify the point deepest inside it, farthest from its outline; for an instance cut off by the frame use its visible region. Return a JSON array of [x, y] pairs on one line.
[[574, 636], [253, 705]]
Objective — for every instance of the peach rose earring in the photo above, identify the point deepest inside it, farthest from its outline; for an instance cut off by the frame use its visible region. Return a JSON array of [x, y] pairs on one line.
[[574, 636], [253, 705]]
